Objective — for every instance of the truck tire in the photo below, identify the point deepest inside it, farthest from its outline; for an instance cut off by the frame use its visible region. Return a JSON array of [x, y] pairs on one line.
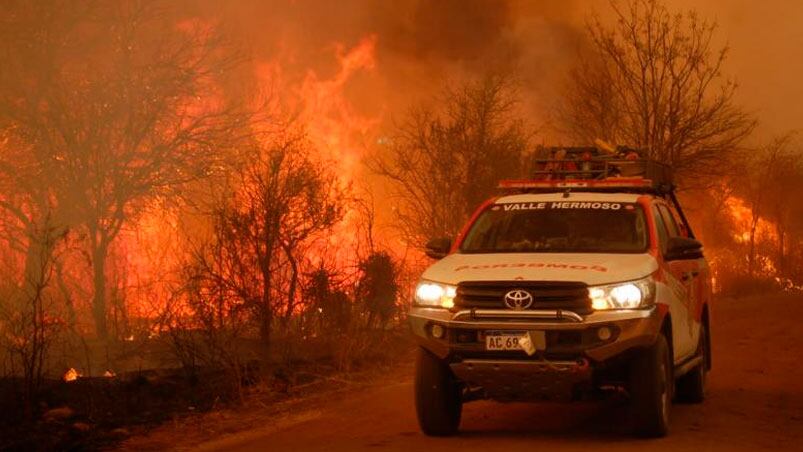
[[438, 396], [690, 388], [651, 384]]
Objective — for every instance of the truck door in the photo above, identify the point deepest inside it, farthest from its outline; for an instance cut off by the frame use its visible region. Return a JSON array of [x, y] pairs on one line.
[[696, 275], [679, 276]]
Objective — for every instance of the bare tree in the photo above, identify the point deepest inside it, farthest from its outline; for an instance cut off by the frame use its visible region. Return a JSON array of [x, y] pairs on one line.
[[443, 161], [793, 257], [770, 174], [282, 198], [653, 79], [781, 210], [118, 105], [207, 320], [28, 324]]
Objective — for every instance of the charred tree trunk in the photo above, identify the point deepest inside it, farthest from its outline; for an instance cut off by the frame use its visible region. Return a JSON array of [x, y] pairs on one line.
[[751, 255], [100, 249], [36, 254], [291, 292], [265, 321], [265, 308], [781, 252], [69, 303]]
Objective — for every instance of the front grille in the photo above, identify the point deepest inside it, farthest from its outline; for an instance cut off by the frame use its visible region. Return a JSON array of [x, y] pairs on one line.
[[572, 296]]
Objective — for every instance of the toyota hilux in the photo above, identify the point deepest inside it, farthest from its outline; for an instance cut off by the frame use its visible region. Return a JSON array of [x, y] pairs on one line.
[[567, 287]]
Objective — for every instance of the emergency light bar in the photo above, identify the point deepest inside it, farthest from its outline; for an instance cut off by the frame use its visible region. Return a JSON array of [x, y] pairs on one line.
[[615, 182]]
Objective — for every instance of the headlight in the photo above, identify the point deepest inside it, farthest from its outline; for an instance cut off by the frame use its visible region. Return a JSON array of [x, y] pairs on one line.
[[628, 295], [436, 295]]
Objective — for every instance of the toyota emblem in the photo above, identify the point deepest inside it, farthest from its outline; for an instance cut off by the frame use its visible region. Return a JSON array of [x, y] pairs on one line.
[[518, 299]]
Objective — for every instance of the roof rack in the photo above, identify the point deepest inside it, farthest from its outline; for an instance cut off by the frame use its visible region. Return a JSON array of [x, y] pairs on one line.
[[595, 169], [591, 169]]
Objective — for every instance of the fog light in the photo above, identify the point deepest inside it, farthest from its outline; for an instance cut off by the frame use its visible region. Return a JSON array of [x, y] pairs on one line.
[[604, 333], [438, 331]]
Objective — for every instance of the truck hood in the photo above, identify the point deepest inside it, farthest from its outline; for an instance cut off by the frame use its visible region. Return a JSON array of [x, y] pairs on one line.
[[592, 269]]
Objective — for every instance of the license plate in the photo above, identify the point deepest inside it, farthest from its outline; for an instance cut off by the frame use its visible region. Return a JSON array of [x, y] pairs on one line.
[[503, 342], [529, 341]]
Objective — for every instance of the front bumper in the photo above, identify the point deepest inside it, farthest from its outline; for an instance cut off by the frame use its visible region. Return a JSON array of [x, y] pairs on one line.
[[568, 334], [574, 347]]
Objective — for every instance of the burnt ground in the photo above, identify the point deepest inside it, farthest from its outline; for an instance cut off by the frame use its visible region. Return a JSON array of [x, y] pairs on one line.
[[755, 402], [99, 413]]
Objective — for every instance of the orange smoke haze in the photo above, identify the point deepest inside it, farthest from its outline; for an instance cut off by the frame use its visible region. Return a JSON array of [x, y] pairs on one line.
[[349, 69], [420, 44]]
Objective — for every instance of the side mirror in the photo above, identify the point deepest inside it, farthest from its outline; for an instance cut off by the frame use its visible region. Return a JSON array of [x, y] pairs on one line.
[[439, 248], [682, 248]]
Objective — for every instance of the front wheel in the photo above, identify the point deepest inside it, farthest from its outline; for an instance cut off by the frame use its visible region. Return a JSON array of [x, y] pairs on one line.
[[438, 396], [651, 384], [691, 387]]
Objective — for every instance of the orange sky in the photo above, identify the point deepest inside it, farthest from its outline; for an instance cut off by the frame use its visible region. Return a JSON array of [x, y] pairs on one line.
[[421, 44], [766, 40]]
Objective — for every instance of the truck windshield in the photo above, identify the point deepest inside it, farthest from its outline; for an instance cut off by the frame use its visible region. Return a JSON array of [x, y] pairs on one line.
[[558, 227]]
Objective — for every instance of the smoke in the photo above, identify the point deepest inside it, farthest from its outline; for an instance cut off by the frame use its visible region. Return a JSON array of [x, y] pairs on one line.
[[420, 44]]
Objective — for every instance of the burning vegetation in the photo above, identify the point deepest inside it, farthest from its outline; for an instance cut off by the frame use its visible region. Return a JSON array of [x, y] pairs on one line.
[[177, 193]]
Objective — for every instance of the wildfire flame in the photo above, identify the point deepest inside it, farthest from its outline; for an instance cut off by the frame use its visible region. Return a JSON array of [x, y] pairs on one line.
[[71, 375], [333, 123], [742, 218], [334, 126], [337, 128], [761, 237]]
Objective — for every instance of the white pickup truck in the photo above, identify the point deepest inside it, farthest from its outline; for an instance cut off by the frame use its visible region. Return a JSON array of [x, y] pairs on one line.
[[565, 289]]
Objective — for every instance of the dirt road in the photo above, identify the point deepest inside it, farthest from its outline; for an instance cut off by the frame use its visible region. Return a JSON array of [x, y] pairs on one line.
[[755, 402]]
